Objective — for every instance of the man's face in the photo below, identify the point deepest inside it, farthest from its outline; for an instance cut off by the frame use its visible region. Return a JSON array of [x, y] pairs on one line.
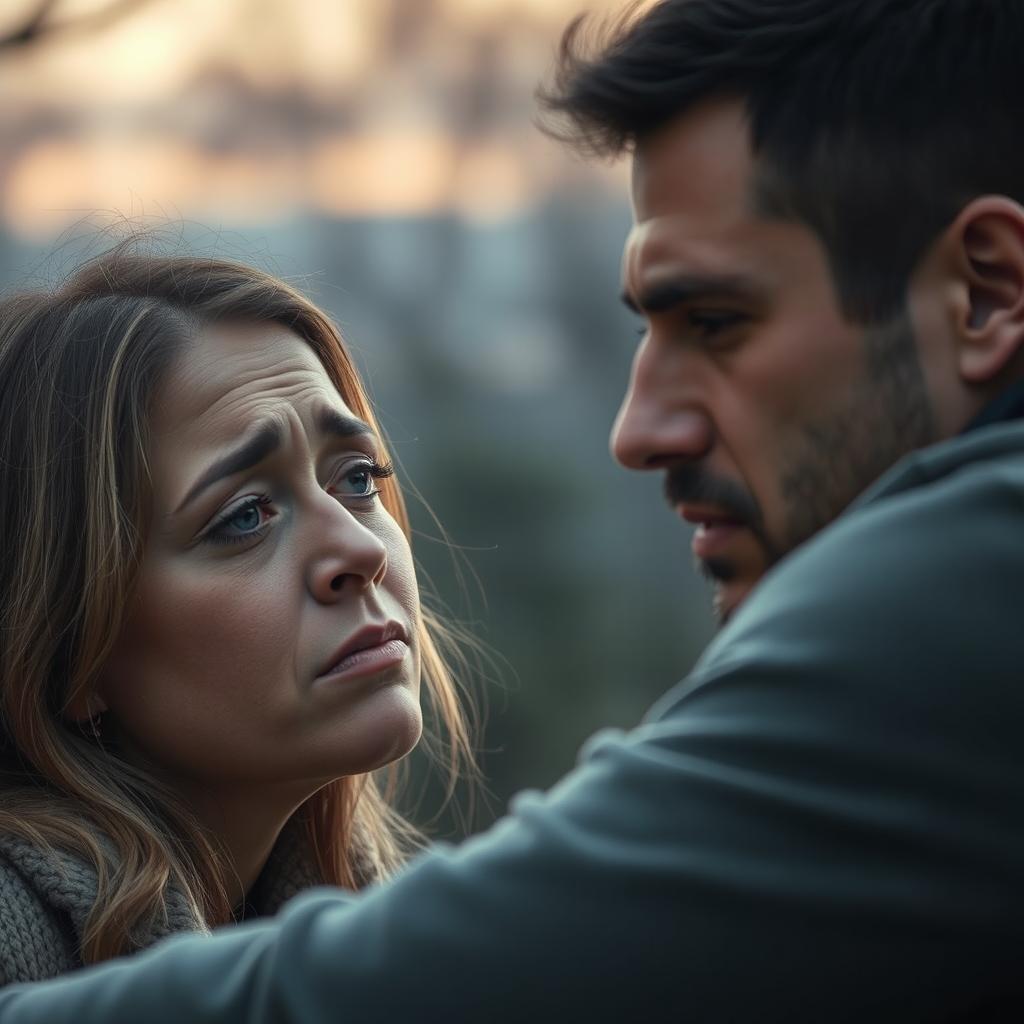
[[767, 411]]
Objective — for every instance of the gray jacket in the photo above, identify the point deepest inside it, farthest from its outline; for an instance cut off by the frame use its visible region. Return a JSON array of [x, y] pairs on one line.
[[824, 822]]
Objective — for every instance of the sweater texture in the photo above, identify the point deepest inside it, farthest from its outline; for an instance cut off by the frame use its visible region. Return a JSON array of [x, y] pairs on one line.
[[46, 897]]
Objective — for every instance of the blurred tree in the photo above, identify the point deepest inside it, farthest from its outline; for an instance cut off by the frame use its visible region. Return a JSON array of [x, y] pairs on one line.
[[44, 21]]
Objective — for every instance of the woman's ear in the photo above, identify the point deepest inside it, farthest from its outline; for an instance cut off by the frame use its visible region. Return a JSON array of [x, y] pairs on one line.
[[86, 707], [987, 242]]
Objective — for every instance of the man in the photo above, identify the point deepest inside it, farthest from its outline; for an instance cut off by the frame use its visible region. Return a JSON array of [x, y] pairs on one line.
[[825, 822]]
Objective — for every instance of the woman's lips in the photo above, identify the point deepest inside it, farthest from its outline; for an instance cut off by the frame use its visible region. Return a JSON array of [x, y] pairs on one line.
[[369, 661]]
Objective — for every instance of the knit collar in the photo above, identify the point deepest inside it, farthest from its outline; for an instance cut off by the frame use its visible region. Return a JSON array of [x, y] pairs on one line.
[[68, 884]]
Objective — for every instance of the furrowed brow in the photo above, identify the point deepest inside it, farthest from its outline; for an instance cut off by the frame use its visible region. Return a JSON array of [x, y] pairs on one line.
[[265, 440], [338, 424], [665, 296]]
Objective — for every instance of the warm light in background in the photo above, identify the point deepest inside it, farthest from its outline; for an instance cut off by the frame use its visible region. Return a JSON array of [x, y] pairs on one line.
[[255, 109], [381, 155]]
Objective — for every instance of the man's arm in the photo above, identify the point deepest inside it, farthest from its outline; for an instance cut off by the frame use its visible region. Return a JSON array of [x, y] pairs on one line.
[[825, 823]]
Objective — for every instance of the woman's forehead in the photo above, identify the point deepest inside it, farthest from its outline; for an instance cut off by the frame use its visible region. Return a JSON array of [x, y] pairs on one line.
[[229, 374]]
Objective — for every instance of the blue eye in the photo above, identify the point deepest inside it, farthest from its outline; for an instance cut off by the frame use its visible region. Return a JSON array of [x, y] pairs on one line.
[[246, 519], [240, 523], [361, 481], [357, 481]]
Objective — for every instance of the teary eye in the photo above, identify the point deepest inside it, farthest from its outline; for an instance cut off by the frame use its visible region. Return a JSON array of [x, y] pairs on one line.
[[244, 521], [360, 479], [357, 479]]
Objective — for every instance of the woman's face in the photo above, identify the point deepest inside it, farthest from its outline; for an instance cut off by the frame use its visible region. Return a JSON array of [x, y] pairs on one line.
[[273, 637]]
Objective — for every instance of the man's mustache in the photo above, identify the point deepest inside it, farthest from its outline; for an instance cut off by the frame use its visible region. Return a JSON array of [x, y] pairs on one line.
[[691, 484]]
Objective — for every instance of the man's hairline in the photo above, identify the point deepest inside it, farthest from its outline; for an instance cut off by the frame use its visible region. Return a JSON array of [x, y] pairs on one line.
[[759, 203]]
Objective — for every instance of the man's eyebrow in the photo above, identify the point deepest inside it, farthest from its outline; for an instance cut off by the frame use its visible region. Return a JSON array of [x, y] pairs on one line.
[[250, 453], [667, 295]]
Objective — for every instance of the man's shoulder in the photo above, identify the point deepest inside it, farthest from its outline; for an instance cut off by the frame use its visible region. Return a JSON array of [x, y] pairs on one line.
[[992, 453], [942, 528], [914, 591]]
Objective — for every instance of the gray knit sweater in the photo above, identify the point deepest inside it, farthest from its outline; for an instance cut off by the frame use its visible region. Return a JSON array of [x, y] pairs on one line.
[[45, 899]]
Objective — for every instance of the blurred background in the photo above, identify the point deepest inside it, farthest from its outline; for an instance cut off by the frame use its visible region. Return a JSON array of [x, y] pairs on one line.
[[381, 155]]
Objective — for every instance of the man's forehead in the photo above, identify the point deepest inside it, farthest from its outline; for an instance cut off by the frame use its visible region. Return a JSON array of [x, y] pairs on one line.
[[663, 248], [692, 197], [698, 164]]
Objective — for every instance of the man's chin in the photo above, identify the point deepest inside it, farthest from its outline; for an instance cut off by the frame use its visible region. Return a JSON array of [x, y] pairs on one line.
[[732, 584], [729, 596]]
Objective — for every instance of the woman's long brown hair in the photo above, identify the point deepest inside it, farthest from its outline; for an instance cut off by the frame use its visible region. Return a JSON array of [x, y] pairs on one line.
[[78, 370]]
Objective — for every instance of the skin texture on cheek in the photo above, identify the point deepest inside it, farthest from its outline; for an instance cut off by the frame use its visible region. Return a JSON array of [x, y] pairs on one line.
[[189, 671], [213, 685], [886, 414]]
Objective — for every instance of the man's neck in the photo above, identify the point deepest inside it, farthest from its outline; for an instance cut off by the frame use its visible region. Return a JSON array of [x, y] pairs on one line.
[[1007, 405]]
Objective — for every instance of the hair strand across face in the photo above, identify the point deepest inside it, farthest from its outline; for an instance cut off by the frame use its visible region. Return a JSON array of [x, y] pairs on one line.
[[78, 371]]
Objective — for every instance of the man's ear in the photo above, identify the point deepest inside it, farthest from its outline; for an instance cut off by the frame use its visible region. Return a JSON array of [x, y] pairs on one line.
[[987, 241]]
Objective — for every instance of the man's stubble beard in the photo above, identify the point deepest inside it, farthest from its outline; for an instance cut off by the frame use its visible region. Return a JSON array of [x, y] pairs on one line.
[[887, 415]]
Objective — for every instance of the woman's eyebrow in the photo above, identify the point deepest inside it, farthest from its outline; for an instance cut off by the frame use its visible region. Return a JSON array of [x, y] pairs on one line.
[[339, 424], [266, 439]]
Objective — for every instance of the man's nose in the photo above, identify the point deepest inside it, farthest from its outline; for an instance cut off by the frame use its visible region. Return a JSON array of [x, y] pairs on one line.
[[660, 421]]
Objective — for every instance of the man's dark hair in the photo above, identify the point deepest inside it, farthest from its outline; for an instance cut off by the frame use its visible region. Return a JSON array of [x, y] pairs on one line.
[[872, 121]]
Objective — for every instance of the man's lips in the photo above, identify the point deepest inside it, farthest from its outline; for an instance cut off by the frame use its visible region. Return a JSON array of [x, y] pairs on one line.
[[371, 649], [716, 529]]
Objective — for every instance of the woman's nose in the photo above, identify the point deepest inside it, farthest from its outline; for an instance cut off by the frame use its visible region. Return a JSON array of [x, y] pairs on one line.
[[349, 556]]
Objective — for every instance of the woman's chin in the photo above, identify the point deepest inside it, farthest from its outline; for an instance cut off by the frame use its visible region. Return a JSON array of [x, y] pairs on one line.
[[385, 729]]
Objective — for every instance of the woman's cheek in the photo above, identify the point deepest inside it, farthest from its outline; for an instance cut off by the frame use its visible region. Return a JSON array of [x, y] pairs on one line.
[[197, 663]]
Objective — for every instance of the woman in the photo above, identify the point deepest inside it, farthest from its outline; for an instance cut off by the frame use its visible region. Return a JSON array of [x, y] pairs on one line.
[[210, 617]]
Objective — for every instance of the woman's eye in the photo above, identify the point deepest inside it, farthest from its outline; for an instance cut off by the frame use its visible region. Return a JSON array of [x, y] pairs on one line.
[[241, 523], [359, 479], [246, 520]]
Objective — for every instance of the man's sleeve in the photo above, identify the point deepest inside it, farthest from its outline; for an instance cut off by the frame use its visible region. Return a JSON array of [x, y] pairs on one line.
[[824, 823]]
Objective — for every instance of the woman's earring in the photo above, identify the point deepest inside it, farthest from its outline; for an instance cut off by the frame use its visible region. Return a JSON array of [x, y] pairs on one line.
[[96, 709]]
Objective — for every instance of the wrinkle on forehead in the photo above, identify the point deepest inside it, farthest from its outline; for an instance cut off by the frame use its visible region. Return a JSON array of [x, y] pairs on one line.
[[661, 250], [692, 184], [228, 378], [224, 383]]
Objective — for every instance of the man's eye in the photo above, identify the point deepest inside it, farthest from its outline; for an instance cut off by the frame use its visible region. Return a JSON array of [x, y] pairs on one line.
[[710, 324]]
